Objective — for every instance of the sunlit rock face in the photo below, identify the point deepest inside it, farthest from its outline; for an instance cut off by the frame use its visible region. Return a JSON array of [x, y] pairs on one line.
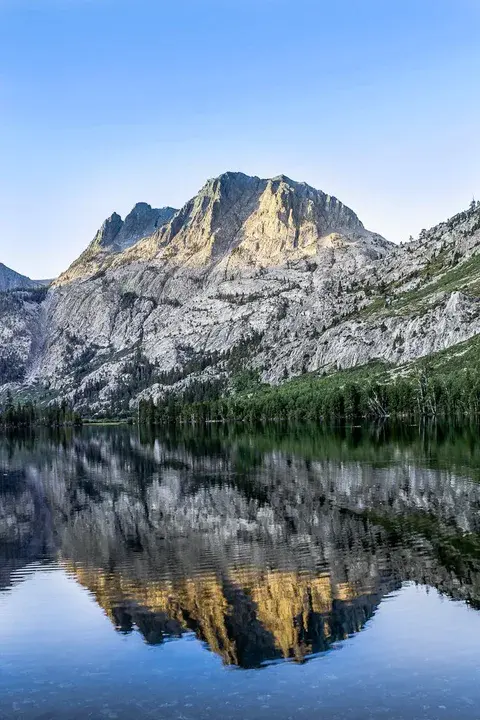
[[243, 222], [240, 258], [262, 554], [271, 265], [115, 236]]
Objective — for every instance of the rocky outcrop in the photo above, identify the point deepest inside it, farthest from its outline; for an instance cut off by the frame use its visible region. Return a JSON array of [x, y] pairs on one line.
[[115, 236], [271, 270], [244, 222]]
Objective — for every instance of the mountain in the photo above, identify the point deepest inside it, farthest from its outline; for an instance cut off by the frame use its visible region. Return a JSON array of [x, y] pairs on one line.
[[117, 235], [267, 274], [235, 221], [11, 280], [244, 221]]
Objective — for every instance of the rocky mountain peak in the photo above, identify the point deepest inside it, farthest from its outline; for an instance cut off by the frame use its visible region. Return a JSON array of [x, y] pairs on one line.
[[141, 222], [260, 221], [230, 179], [271, 269], [115, 236], [105, 237]]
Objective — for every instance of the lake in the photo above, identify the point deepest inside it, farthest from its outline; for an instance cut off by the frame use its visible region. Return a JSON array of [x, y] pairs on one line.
[[282, 572]]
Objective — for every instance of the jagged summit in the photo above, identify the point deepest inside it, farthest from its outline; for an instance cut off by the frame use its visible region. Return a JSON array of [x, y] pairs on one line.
[[253, 221], [142, 221], [235, 218], [105, 237], [115, 236]]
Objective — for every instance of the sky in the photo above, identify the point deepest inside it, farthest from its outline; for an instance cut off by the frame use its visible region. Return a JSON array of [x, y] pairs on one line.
[[104, 103]]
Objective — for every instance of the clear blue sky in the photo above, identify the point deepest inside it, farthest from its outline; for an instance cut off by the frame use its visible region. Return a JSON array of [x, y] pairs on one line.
[[107, 102]]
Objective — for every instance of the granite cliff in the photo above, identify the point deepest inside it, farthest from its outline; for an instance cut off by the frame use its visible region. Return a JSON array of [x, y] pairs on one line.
[[274, 273]]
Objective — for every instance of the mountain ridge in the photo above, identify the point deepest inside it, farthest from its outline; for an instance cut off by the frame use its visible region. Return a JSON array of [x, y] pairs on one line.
[[232, 212], [12, 280], [268, 274], [116, 235]]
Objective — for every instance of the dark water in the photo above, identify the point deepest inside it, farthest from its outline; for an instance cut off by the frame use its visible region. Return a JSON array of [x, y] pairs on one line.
[[286, 573]]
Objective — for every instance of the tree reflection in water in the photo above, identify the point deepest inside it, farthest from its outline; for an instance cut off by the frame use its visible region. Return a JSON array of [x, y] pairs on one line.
[[267, 544]]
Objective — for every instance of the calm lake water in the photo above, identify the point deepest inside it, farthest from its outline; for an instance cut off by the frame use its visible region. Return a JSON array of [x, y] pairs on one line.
[[282, 573]]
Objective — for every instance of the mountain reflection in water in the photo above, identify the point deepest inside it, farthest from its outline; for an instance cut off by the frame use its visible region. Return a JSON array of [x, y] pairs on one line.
[[267, 545]]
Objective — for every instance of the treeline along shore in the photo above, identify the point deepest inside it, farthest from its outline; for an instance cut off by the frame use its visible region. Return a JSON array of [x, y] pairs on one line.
[[28, 414], [369, 392], [346, 395]]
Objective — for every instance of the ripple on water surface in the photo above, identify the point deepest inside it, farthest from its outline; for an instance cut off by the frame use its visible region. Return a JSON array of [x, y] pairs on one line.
[[337, 574]]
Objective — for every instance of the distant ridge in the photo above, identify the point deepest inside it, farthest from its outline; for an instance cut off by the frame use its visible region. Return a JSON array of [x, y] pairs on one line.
[[11, 280]]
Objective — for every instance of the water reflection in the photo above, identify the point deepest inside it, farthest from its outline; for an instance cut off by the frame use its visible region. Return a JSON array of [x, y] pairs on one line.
[[269, 545]]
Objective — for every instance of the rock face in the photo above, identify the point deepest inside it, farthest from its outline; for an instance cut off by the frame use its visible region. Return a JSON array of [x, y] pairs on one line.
[[22, 316], [240, 221], [117, 235], [11, 280], [273, 270]]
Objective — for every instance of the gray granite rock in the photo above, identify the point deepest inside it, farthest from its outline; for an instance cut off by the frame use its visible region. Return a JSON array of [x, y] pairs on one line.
[[271, 265]]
